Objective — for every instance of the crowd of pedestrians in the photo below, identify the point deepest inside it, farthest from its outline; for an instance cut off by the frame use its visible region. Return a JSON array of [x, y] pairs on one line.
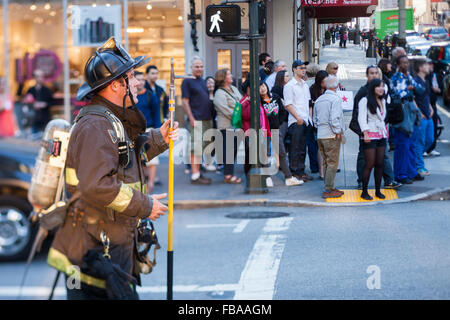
[[393, 110]]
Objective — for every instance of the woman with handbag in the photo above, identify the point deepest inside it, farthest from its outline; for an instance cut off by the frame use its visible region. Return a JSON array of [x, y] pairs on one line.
[[226, 98], [372, 112], [246, 115]]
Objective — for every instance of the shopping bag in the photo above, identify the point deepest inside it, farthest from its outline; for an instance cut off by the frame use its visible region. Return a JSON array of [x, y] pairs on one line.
[[347, 99], [236, 117]]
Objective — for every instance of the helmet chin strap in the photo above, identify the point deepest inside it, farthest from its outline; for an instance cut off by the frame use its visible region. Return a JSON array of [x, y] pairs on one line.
[[125, 97]]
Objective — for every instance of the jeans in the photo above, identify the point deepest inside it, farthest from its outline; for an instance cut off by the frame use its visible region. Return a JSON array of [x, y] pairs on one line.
[[423, 140], [388, 172], [228, 148], [329, 149], [284, 165], [297, 148], [435, 124], [404, 156], [311, 143]]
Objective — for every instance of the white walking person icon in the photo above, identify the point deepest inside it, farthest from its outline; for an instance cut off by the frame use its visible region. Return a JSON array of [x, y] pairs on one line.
[[215, 19]]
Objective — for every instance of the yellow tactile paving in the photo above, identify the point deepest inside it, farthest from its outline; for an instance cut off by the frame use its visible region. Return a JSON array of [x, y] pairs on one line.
[[354, 196]]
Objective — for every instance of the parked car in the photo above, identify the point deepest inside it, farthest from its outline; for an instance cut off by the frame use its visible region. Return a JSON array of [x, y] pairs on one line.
[[411, 46], [421, 50], [436, 34], [411, 33], [439, 53], [17, 158]]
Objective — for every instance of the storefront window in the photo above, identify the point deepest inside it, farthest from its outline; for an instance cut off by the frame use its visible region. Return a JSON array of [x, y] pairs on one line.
[[224, 59], [2, 39], [36, 37], [245, 54]]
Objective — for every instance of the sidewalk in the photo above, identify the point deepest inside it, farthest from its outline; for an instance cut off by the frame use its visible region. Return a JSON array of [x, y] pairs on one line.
[[352, 65]]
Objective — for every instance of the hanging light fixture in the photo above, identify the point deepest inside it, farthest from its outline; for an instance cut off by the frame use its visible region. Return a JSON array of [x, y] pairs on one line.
[[135, 29], [47, 6], [149, 6], [33, 7]]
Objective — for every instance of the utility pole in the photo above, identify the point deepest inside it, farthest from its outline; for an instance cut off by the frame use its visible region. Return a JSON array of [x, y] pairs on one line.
[[401, 23], [256, 182]]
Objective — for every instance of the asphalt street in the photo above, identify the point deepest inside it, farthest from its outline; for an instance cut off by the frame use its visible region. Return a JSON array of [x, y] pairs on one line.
[[394, 252]]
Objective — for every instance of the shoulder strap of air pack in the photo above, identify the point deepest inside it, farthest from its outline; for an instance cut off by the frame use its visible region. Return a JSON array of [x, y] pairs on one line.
[[124, 145]]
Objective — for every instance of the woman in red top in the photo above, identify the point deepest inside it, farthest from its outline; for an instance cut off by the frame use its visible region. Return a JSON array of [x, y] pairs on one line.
[[264, 121], [8, 126]]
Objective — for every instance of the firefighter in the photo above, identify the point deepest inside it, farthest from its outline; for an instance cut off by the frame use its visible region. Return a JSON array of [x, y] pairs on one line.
[[97, 247]]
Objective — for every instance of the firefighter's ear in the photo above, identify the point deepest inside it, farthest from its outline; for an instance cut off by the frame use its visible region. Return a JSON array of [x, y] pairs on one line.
[[116, 85]]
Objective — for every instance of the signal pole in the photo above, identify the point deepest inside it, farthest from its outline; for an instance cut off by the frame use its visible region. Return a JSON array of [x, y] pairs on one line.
[[255, 182], [401, 23]]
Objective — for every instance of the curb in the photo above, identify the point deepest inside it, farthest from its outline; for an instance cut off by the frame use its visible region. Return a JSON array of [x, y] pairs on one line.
[[435, 194]]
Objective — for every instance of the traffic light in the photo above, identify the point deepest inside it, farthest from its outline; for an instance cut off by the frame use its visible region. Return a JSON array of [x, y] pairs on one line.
[[223, 20], [261, 18]]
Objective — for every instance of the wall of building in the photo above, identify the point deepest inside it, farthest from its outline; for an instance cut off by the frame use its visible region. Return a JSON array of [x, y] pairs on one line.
[[281, 41]]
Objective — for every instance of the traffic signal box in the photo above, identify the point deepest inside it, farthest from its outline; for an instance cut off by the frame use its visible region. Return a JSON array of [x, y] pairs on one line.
[[225, 20]]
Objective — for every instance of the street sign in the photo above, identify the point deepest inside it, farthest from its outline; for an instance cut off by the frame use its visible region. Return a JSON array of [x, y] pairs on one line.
[[223, 20]]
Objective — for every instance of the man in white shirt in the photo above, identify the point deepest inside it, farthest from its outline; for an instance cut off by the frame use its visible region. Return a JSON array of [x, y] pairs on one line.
[[279, 65], [297, 99]]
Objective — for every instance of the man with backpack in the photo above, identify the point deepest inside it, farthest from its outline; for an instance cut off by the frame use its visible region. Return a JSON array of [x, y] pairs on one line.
[[388, 172], [97, 245]]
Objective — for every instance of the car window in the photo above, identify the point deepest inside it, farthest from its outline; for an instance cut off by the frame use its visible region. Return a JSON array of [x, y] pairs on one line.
[[447, 53], [438, 30]]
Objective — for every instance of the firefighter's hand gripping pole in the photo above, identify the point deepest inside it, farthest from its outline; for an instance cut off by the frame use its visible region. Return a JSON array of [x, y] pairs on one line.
[[170, 191]]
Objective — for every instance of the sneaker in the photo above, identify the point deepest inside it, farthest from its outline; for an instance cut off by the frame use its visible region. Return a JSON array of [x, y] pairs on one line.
[[393, 185], [435, 153], [201, 181], [418, 178], [425, 155], [406, 181], [293, 181], [423, 172], [331, 194], [210, 167], [269, 182]]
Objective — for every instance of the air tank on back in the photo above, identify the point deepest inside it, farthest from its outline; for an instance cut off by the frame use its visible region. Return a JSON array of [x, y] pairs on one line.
[[49, 167]]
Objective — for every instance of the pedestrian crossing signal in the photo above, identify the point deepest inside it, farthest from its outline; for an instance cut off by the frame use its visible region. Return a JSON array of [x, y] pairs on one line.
[[223, 20]]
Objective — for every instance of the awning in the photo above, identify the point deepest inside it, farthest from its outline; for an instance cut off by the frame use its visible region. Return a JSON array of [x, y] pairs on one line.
[[330, 9]]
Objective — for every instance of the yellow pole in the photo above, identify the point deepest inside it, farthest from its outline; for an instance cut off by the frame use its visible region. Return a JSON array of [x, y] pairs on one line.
[[171, 180], [170, 191]]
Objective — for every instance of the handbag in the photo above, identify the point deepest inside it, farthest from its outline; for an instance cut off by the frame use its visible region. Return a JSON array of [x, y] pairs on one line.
[[394, 112], [236, 117]]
